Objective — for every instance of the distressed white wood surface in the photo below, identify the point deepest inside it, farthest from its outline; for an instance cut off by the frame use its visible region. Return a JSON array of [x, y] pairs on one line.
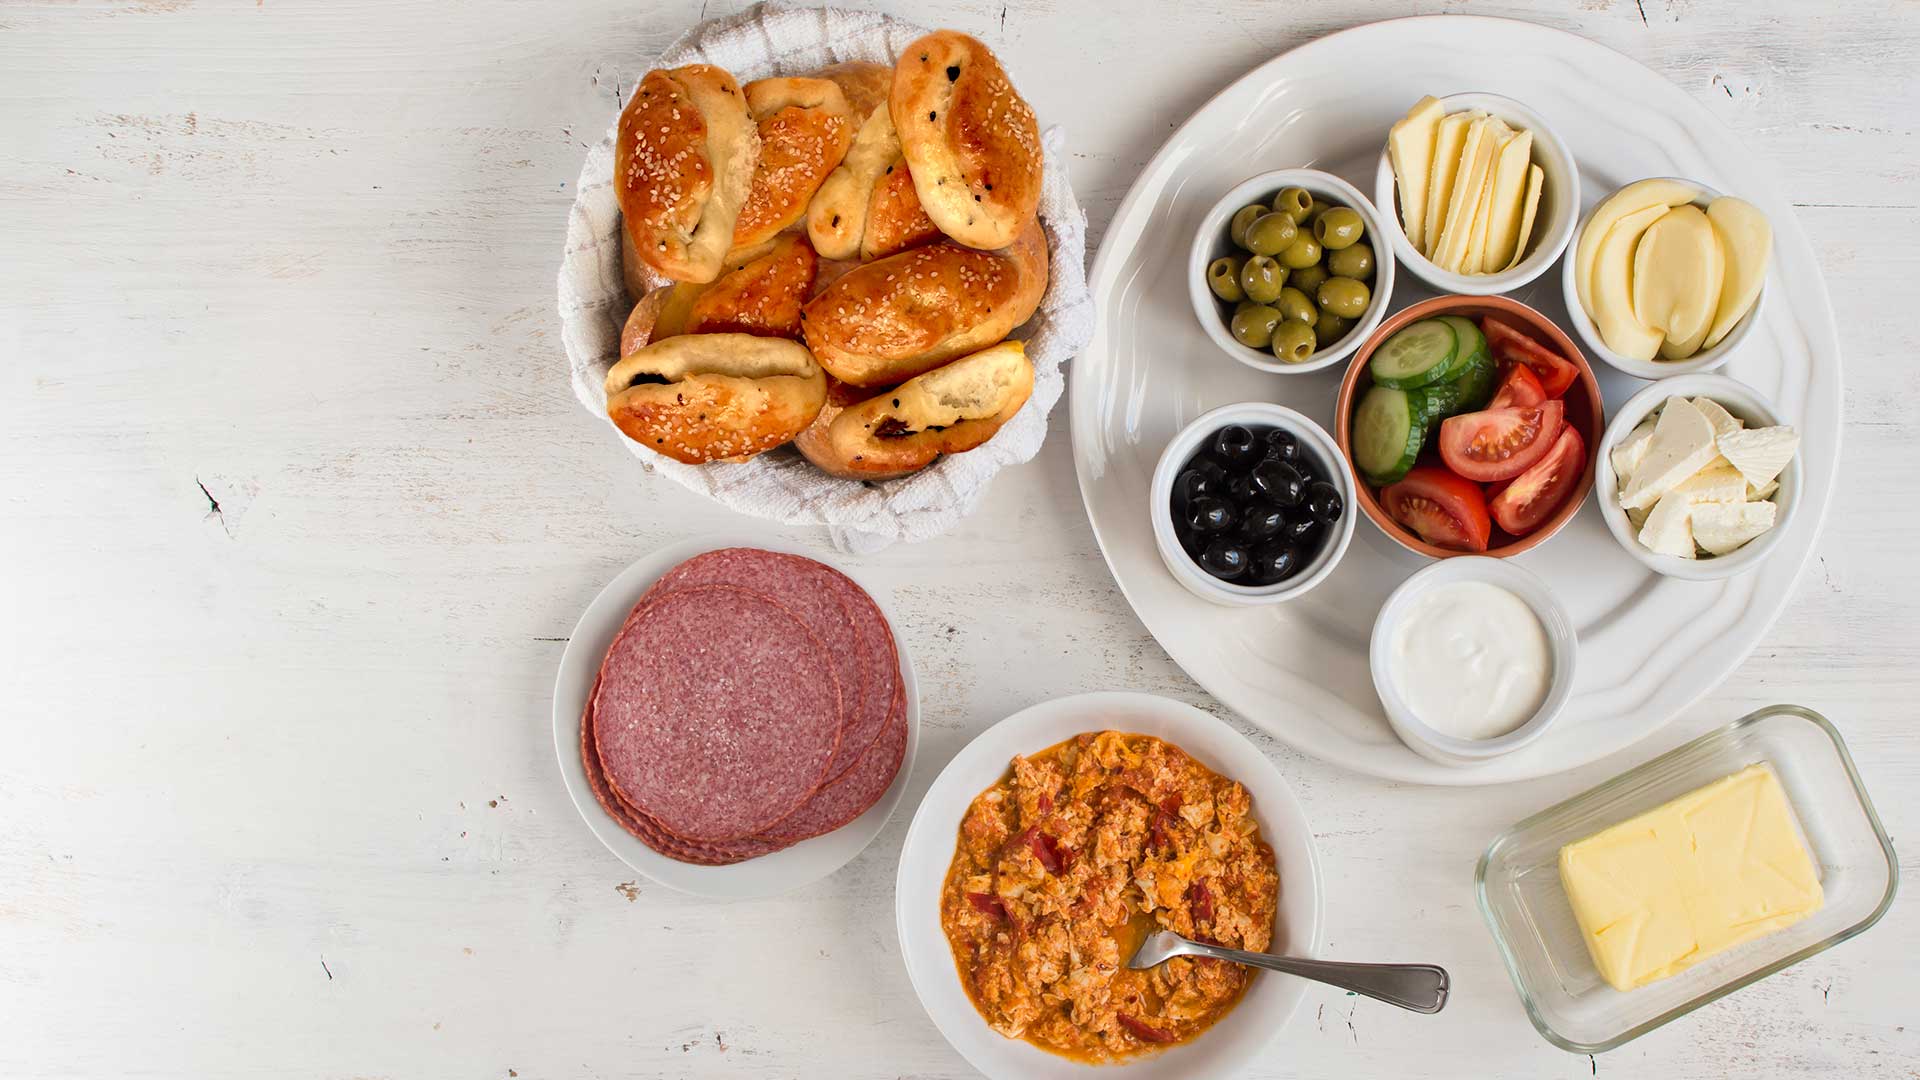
[[277, 789]]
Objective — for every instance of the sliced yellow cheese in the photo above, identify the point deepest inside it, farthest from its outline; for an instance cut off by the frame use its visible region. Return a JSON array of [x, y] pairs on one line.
[[1535, 180], [1677, 268], [1746, 239], [1612, 286], [1477, 240], [1410, 151], [1476, 158], [1507, 201], [1629, 200], [1447, 138]]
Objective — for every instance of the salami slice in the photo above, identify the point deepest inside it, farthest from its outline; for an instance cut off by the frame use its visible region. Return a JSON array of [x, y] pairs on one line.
[[717, 713], [850, 796], [858, 641]]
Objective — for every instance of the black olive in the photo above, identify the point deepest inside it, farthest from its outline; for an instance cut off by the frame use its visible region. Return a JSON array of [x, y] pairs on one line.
[[1224, 559], [1213, 470], [1240, 489], [1323, 502], [1235, 445], [1262, 520], [1275, 562], [1281, 445], [1302, 532], [1209, 515], [1278, 481], [1187, 487]]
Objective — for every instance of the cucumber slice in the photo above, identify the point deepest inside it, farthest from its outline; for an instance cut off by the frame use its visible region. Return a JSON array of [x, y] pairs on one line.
[[1416, 356], [1479, 377], [1470, 390], [1471, 339], [1386, 435]]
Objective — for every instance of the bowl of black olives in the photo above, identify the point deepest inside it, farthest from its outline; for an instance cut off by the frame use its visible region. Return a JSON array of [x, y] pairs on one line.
[[1251, 505], [1291, 271]]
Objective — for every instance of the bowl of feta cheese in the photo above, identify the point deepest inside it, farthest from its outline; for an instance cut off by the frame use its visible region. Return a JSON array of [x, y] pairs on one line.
[[1697, 477]]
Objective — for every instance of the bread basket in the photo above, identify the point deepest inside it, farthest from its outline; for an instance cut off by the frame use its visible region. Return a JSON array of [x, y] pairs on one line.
[[777, 39]]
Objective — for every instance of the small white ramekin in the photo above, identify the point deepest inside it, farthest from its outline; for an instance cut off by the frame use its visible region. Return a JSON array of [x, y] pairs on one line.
[[1553, 220], [1737, 398], [1313, 440], [1589, 334], [1561, 638], [1211, 241]]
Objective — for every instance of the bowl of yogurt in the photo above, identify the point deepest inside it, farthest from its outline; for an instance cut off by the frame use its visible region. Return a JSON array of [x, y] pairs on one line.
[[1472, 658]]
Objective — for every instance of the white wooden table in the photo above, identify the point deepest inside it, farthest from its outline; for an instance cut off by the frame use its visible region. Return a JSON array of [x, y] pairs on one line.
[[298, 510]]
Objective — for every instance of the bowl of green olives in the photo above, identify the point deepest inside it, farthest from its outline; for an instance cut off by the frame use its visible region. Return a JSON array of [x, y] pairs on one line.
[[1291, 271]]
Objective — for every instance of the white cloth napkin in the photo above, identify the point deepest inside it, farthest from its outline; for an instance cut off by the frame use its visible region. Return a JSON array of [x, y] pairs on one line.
[[774, 39]]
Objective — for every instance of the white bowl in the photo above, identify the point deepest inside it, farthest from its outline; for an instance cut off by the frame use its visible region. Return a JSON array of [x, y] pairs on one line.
[[1589, 334], [1553, 220], [1313, 439], [1211, 241], [769, 875], [1742, 401], [1229, 1045], [1565, 643]]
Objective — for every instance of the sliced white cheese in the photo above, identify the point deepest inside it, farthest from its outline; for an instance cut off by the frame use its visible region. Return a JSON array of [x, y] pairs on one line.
[[1755, 494], [1447, 137], [1723, 422], [1669, 529], [1631, 451], [1760, 453], [1639, 517], [1723, 527], [1717, 483], [1410, 149], [1682, 445]]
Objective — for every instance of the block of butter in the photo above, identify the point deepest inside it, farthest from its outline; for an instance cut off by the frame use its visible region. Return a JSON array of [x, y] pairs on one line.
[[1716, 867]]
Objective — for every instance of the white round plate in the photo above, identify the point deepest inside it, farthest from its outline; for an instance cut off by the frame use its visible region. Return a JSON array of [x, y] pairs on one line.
[[769, 875], [1270, 1000], [1649, 646]]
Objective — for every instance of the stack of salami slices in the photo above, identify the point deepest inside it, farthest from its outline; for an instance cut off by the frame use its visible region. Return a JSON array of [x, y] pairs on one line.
[[752, 700]]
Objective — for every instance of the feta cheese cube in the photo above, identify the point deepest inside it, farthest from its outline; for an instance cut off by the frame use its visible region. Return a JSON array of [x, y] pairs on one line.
[[1760, 453], [1669, 528], [1682, 445], [1723, 527]]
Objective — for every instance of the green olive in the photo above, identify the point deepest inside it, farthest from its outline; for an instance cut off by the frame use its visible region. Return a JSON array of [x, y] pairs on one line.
[[1344, 297], [1308, 278], [1302, 253], [1293, 341], [1223, 276], [1270, 233], [1296, 306], [1355, 262], [1242, 218], [1329, 328], [1253, 327], [1261, 279], [1320, 206], [1338, 228], [1294, 202]]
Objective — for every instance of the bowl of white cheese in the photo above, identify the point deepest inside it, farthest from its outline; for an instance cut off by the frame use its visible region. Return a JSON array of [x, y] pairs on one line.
[[1698, 479], [1472, 658]]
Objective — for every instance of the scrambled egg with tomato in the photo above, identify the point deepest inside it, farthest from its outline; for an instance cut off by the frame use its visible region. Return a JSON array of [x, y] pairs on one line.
[[1065, 866]]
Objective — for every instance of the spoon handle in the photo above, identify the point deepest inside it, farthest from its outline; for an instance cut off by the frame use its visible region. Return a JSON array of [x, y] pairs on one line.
[[1419, 987]]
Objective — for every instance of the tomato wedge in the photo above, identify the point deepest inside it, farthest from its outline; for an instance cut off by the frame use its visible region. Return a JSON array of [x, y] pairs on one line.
[[1442, 508], [1500, 444], [1510, 345], [1521, 387], [1534, 495]]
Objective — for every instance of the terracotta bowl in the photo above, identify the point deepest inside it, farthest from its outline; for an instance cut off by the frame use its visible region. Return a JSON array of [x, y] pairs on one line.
[[1584, 411]]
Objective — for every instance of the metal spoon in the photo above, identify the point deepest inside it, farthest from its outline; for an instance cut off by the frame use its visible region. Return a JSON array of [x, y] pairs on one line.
[[1419, 987]]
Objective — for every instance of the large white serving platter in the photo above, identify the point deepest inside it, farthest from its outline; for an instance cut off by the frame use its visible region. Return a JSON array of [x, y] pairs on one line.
[[1649, 645]]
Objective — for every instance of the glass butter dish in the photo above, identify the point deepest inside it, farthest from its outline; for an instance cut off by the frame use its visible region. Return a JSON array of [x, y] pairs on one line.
[[1533, 923]]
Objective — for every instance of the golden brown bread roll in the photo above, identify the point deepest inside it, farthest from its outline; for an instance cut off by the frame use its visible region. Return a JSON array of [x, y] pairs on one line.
[[661, 313], [805, 129], [715, 397], [762, 297], [868, 208], [946, 411], [683, 162], [890, 320], [865, 84], [970, 140]]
